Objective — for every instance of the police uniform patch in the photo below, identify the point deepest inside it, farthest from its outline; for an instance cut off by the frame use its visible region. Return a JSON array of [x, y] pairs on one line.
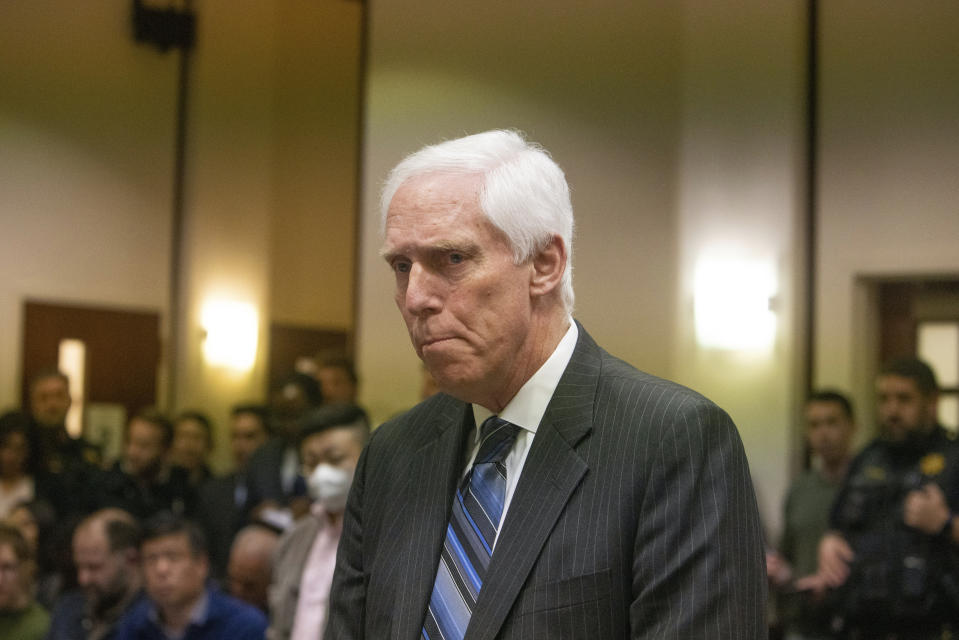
[[932, 464], [875, 473]]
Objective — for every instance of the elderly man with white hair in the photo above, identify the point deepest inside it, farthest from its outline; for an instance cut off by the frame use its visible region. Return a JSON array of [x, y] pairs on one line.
[[550, 490]]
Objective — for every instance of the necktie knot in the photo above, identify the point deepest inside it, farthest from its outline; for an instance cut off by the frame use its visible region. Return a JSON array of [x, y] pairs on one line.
[[496, 440]]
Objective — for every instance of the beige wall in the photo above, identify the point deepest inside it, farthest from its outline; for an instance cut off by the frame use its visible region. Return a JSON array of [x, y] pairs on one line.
[[739, 181], [316, 144], [86, 157], [890, 156], [228, 198]]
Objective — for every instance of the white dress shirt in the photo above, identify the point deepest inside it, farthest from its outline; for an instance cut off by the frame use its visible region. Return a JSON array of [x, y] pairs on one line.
[[525, 410]]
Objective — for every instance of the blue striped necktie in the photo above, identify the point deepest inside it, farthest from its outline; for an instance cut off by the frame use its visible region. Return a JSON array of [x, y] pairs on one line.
[[470, 535]]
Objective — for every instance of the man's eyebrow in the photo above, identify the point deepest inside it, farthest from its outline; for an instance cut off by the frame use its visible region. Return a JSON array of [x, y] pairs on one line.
[[443, 246], [460, 246]]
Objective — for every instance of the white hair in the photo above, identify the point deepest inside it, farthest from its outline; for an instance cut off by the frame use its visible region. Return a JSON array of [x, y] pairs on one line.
[[524, 193]]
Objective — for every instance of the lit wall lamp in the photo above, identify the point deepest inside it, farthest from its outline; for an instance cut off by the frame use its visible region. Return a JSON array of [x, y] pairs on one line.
[[230, 331], [734, 303]]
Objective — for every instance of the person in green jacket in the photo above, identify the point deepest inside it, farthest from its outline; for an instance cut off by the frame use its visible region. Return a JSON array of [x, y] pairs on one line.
[[21, 617]]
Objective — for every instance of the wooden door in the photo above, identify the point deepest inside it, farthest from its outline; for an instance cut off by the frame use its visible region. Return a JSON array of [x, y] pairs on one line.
[[122, 350], [921, 318]]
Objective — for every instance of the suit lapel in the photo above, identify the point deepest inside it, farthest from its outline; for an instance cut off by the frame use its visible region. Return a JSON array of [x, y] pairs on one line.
[[434, 471], [551, 474]]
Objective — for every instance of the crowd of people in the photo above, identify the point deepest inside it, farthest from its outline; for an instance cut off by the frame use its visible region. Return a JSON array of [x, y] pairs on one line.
[[154, 544], [591, 499]]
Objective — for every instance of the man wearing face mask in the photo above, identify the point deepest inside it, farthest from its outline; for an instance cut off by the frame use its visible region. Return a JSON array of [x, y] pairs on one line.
[[331, 440]]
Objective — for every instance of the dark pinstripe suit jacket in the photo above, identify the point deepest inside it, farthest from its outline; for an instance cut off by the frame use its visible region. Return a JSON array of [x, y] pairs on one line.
[[634, 517]]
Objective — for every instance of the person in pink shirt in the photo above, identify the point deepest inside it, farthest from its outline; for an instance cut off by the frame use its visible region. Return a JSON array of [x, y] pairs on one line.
[[331, 440]]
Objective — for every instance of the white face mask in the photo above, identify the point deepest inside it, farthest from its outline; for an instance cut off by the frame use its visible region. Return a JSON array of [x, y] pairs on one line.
[[330, 486]]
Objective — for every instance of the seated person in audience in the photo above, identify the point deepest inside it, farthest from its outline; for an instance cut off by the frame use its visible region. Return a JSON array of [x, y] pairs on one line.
[[276, 490], [251, 565], [21, 617], [829, 428], [192, 445], [16, 481], [63, 465], [49, 541], [179, 603], [222, 507], [107, 558], [332, 439], [337, 377], [141, 481]]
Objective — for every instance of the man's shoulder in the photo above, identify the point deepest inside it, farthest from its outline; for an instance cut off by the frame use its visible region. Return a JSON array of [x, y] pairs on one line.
[[69, 607], [218, 487], [135, 623], [271, 450], [438, 409], [299, 536], [590, 359], [227, 611], [627, 383]]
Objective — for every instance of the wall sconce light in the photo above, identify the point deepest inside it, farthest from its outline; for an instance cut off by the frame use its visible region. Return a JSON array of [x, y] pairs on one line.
[[230, 331], [733, 304]]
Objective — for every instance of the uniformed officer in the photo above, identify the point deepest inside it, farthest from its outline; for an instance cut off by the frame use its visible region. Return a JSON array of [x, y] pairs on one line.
[[894, 542]]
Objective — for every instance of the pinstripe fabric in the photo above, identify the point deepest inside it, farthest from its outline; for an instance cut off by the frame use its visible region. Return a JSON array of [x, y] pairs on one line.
[[634, 517]]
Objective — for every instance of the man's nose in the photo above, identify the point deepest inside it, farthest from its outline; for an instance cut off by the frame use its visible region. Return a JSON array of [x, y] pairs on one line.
[[422, 294]]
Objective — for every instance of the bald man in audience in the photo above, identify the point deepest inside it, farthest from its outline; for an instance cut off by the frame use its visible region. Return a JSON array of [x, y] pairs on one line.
[[105, 551], [251, 565]]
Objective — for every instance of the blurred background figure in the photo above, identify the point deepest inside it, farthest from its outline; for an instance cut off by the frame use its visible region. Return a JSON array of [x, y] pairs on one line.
[[106, 556], [222, 503], [142, 482], [21, 617], [16, 479], [829, 429], [249, 430], [192, 445], [250, 568], [179, 602], [63, 465], [890, 553], [49, 543], [292, 399], [332, 439], [276, 489], [336, 374]]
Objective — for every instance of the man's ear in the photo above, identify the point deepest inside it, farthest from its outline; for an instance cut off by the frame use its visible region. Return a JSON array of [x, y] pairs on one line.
[[548, 266]]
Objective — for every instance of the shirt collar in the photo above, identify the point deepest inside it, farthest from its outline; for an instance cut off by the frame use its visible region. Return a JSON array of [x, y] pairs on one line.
[[527, 407]]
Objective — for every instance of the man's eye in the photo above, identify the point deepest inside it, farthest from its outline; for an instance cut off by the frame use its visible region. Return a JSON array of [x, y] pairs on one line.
[[456, 258], [401, 267]]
